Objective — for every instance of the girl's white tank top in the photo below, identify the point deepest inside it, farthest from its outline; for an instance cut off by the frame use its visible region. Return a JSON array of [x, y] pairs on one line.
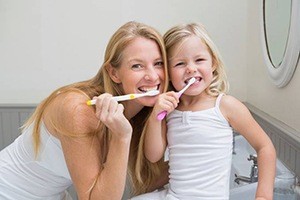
[[200, 154]]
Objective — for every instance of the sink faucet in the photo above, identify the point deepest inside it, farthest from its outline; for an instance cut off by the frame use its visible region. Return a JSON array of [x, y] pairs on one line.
[[233, 142], [253, 174]]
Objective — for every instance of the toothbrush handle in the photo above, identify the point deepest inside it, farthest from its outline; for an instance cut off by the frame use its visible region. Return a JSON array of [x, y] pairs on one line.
[[161, 115]]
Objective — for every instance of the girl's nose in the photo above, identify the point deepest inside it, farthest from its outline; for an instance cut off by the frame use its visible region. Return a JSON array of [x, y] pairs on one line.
[[191, 69]]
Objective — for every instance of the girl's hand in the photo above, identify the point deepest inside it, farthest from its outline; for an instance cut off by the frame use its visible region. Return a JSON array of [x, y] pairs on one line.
[[166, 102], [110, 112]]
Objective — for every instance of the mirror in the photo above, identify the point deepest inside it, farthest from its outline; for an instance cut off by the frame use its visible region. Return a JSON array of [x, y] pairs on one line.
[[277, 17], [281, 38]]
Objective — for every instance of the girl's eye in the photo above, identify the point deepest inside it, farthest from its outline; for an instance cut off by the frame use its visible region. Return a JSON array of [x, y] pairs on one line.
[[136, 66], [159, 64], [179, 64], [199, 59]]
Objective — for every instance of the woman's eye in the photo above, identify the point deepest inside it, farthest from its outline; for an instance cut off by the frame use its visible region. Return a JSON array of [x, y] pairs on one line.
[[136, 66], [159, 64]]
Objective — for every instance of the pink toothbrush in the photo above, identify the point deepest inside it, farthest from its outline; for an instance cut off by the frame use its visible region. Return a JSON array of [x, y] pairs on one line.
[[162, 114]]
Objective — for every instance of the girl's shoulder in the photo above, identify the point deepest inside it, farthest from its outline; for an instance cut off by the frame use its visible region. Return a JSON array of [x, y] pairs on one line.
[[231, 106], [229, 101]]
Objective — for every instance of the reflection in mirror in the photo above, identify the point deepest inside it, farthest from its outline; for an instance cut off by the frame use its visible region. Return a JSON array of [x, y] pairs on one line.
[[277, 23], [281, 34]]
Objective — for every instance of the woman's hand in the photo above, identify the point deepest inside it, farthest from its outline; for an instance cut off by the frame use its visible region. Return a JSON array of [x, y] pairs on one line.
[[110, 112], [166, 102]]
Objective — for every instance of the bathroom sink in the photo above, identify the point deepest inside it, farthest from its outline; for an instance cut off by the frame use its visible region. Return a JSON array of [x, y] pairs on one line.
[[244, 192], [242, 167]]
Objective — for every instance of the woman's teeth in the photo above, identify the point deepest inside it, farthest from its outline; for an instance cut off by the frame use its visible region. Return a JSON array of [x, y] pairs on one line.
[[144, 89]]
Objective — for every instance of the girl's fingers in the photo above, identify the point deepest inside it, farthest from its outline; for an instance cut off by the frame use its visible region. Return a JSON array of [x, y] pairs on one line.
[[166, 102], [170, 106]]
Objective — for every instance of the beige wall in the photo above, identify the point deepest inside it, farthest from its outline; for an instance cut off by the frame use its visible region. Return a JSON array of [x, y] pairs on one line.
[[281, 103], [46, 44]]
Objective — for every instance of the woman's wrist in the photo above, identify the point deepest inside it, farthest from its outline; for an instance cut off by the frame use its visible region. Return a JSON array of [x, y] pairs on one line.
[[121, 138], [153, 116]]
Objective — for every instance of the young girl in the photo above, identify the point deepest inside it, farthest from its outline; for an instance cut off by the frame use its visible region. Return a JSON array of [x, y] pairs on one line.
[[199, 131]]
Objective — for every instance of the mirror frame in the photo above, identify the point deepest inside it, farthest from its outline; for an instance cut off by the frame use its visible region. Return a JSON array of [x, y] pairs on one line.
[[283, 73]]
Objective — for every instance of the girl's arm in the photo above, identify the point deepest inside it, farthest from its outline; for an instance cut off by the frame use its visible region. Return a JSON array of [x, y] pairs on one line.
[[83, 152], [155, 138], [242, 121]]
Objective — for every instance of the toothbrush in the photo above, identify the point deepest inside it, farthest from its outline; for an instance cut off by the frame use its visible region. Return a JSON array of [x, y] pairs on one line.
[[162, 114], [127, 97]]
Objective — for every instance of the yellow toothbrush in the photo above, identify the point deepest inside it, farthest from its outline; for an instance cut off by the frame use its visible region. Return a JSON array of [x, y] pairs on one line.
[[127, 97]]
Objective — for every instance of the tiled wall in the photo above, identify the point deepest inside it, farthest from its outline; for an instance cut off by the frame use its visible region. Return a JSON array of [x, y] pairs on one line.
[[285, 139], [11, 119]]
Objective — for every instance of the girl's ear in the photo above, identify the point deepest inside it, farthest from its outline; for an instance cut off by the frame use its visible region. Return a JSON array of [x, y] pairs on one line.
[[113, 73], [214, 67]]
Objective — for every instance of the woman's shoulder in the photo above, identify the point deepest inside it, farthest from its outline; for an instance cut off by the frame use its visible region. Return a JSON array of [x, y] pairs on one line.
[[70, 111]]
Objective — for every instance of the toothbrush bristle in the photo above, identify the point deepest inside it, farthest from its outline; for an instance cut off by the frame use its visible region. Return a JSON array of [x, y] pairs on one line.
[[153, 92], [192, 80]]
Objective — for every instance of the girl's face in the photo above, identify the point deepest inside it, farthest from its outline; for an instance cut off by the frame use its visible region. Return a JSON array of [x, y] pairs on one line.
[[191, 59], [141, 70]]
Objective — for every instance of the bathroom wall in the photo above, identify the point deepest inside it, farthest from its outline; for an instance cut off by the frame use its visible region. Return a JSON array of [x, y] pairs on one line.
[[280, 103], [46, 44], [276, 109]]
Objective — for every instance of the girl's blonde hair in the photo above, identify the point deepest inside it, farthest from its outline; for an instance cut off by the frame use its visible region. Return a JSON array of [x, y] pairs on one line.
[[177, 35], [102, 83]]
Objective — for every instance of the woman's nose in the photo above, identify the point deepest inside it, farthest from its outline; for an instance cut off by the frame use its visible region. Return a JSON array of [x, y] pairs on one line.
[[151, 75]]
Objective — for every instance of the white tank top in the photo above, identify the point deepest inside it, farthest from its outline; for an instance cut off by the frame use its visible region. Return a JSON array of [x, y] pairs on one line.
[[23, 177], [200, 153]]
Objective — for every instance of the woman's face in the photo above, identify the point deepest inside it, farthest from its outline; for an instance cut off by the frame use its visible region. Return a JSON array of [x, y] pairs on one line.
[[141, 70]]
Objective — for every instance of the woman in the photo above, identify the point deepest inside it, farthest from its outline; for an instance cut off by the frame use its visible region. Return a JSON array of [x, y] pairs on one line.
[[66, 141]]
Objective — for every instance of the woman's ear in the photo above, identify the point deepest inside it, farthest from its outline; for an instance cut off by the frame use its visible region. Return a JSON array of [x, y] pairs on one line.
[[113, 73]]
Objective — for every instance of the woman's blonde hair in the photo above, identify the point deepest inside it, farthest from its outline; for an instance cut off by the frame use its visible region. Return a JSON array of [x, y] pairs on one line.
[[102, 83], [177, 35]]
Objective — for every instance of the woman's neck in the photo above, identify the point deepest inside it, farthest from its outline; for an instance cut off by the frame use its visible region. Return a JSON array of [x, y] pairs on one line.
[[131, 109]]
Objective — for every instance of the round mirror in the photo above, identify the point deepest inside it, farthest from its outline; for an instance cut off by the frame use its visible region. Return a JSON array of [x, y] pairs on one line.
[[281, 38], [277, 17]]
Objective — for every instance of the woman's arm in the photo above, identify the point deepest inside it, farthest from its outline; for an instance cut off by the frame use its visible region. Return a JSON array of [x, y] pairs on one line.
[[155, 137], [83, 153], [161, 180], [242, 121]]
